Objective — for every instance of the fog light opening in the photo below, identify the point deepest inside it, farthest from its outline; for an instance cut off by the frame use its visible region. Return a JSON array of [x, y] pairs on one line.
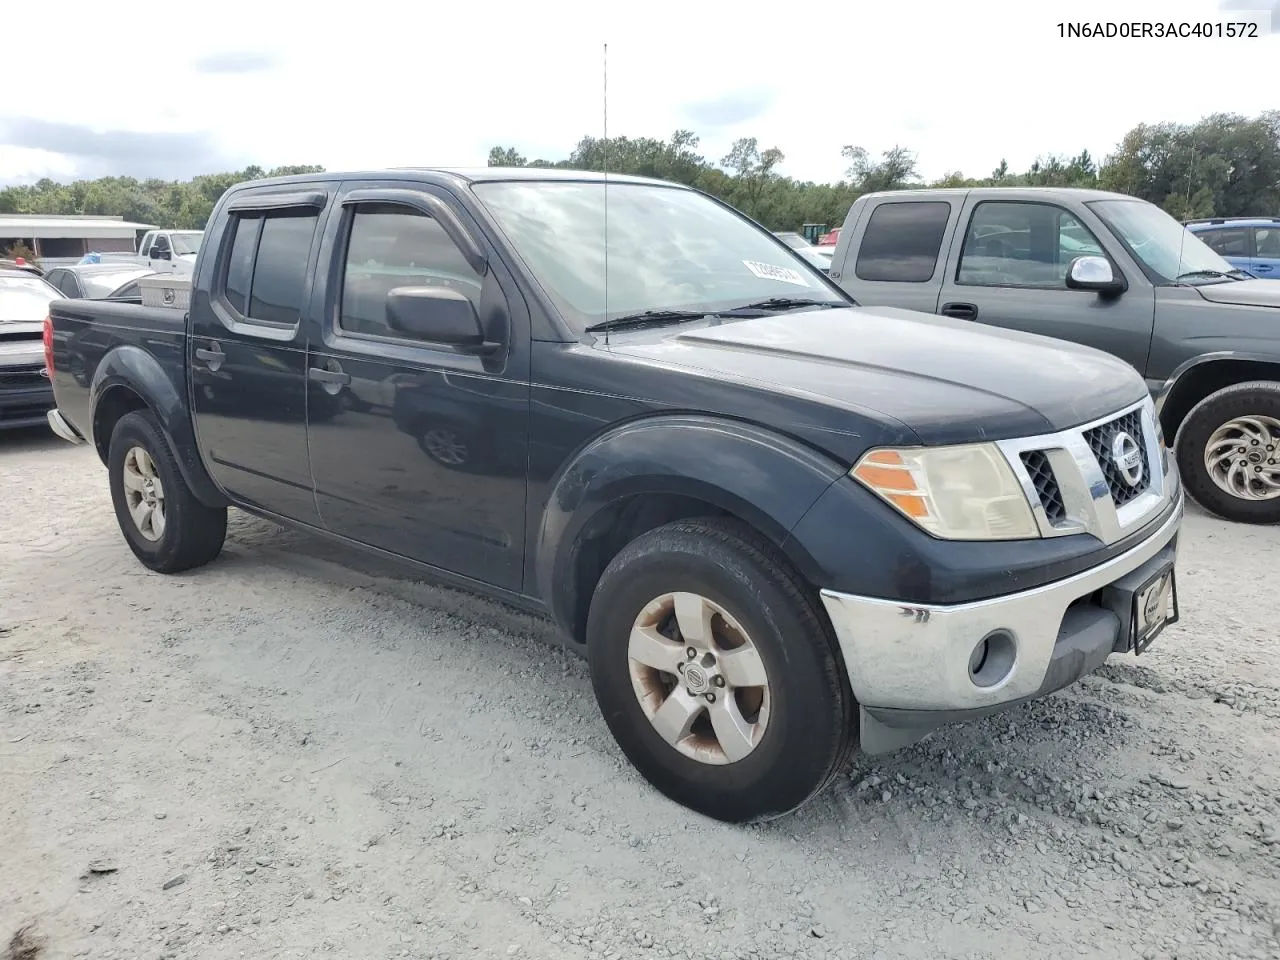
[[992, 659]]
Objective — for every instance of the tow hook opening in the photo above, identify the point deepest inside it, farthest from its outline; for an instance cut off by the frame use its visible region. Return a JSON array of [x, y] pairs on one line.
[[992, 659]]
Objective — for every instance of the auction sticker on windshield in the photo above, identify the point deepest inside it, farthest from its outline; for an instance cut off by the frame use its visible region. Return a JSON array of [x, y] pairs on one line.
[[769, 271]]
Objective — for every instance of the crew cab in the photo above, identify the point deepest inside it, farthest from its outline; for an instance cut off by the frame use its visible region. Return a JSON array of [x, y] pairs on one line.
[[778, 525], [1108, 271]]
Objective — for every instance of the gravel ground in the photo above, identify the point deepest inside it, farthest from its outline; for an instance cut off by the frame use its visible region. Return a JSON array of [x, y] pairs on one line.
[[293, 753]]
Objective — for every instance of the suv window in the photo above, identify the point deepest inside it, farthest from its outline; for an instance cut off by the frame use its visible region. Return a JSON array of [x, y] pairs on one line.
[[1268, 239], [902, 241], [1021, 244], [1228, 241], [389, 246], [266, 271]]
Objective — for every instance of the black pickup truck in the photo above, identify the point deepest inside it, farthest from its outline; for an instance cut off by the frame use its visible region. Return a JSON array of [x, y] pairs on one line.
[[777, 524]]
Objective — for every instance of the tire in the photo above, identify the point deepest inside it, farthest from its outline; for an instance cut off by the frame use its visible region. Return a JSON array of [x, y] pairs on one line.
[[809, 730], [192, 533], [1255, 399]]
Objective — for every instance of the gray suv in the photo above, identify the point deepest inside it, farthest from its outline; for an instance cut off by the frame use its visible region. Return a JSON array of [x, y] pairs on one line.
[[1108, 271]]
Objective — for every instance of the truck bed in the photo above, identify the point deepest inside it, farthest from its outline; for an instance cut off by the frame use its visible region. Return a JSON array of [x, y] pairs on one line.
[[86, 331]]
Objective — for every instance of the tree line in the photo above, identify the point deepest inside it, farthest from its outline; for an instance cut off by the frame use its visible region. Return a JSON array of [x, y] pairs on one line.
[[1222, 165]]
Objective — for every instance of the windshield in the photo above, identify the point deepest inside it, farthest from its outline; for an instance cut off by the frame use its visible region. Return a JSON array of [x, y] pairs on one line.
[[187, 242], [669, 249], [1168, 249], [25, 299]]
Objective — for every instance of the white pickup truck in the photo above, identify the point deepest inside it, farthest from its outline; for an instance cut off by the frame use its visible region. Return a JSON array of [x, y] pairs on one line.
[[170, 251]]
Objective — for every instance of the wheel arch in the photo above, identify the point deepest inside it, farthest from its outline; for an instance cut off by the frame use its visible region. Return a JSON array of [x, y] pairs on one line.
[[129, 379], [1203, 376], [647, 473]]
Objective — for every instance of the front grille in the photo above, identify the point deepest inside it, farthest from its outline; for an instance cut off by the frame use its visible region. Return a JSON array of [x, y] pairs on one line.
[[1102, 441], [22, 379], [1046, 484]]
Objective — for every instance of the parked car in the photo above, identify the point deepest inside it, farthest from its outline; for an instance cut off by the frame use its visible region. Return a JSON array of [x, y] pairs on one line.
[[170, 251], [778, 526], [792, 239], [26, 395], [1250, 243], [96, 281], [1108, 271], [22, 264]]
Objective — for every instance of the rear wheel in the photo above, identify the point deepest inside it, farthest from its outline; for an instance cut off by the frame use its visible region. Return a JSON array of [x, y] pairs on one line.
[[716, 674], [166, 527], [1229, 452]]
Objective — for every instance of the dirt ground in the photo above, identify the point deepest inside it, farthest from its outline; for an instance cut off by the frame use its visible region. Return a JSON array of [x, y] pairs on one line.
[[295, 753]]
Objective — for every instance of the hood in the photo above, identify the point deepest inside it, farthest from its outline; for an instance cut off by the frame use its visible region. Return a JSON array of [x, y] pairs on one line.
[[949, 381], [1243, 293]]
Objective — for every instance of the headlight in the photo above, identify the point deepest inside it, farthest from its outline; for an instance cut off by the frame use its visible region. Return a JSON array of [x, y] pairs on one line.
[[966, 492]]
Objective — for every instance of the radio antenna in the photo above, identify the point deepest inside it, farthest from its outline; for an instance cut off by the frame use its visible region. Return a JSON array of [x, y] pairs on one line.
[[606, 191]]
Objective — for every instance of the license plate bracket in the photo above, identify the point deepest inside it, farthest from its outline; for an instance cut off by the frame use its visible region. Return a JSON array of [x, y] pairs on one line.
[[1155, 606]]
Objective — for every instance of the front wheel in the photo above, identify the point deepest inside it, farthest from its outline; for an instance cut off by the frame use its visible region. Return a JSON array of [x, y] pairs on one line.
[[1229, 452], [716, 674], [166, 527]]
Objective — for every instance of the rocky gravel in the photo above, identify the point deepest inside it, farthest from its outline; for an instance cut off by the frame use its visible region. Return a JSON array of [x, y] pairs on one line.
[[295, 752]]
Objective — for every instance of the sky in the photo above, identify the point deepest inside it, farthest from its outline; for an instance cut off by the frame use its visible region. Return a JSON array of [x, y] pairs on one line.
[[962, 83]]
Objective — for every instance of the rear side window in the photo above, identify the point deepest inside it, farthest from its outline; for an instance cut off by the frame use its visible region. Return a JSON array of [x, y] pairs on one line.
[[1229, 241], [266, 269], [902, 241]]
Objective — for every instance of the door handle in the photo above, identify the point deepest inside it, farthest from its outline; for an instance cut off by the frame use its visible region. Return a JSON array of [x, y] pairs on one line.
[[212, 357], [961, 311], [1263, 268], [330, 377]]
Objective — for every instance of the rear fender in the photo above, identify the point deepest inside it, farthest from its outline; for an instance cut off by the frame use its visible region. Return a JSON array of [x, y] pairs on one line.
[[134, 370]]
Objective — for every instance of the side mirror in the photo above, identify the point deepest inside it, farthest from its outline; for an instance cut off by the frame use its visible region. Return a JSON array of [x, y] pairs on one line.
[[1094, 273], [158, 254], [437, 315]]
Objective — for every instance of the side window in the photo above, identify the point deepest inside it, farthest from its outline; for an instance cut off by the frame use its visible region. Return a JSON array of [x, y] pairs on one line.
[[1021, 244], [128, 291], [1268, 239], [389, 246], [902, 241], [1229, 241], [265, 276], [161, 242], [67, 283]]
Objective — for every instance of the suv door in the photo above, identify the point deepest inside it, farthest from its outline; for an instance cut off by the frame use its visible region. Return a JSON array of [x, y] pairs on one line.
[[418, 448], [1233, 244], [247, 350], [1008, 268], [1266, 257]]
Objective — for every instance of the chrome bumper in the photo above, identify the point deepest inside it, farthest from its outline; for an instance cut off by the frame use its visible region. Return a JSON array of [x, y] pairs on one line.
[[913, 657], [59, 425]]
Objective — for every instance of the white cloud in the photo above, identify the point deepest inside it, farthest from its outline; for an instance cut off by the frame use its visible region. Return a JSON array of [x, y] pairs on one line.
[[386, 84]]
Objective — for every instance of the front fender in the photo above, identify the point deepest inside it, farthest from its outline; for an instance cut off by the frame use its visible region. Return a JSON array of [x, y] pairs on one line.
[[764, 478], [140, 372]]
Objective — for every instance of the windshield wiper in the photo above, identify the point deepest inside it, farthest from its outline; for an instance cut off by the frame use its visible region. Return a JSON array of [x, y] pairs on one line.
[[785, 303], [650, 318], [1208, 274]]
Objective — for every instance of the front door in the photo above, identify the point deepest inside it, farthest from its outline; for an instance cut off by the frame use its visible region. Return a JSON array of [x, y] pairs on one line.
[[1011, 272], [1266, 258], [248, 359], [419, 449]]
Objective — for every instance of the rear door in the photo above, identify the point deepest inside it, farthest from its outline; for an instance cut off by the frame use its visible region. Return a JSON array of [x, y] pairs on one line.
[[1233, 244], [1266, 255], [419, 449], [247, 350], [1008, 268], [891, 256]]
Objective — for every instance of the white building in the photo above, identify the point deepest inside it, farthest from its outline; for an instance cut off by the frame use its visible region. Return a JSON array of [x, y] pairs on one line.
[[66, 238]]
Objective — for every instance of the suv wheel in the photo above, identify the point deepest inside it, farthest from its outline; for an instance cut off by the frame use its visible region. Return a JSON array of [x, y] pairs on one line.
[[1229, 452], [716, 674], [166, 527]]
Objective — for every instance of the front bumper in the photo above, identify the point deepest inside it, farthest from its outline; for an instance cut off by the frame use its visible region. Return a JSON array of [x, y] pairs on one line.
[[25, 406], [909, 664]]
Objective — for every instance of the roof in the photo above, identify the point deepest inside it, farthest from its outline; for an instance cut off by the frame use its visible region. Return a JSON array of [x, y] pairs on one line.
[[461, 175], [1233, 221], [110, 267], [50, 227], [1078, 193]]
